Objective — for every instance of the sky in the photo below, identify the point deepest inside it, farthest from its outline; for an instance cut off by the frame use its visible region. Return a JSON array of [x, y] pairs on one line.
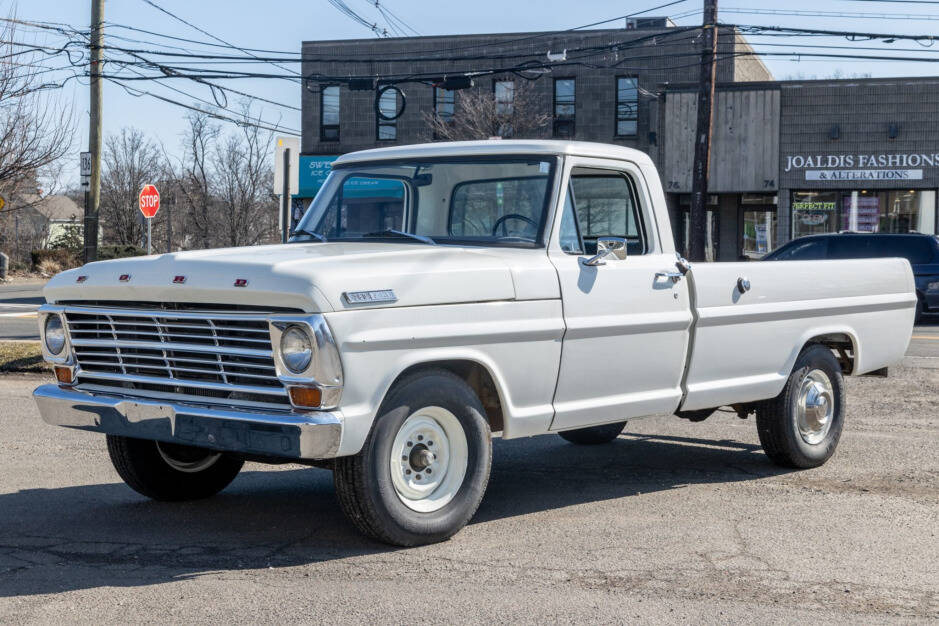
[[283, 24]]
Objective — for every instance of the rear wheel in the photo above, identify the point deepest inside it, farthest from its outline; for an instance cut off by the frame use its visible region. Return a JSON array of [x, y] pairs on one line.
[[801, 426], [169, 471], [423, 470], [593, 435]]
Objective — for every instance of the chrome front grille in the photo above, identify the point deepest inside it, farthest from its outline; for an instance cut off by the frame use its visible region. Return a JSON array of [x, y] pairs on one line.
[[210, 356]]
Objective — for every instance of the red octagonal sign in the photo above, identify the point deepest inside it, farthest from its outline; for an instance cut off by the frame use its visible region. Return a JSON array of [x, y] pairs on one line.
[[149, 200]]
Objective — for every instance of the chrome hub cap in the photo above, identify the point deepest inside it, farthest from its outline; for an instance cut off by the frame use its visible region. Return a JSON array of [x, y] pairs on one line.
[[815, 408], [429, 458], [187, 459]]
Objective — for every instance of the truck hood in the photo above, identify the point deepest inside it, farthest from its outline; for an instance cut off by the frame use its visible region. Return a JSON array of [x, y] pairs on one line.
[[308, 276]]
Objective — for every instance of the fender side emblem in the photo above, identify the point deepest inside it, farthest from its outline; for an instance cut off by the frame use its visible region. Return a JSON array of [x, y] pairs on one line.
[[124, 278], [369, 297], [179, 280], [81, 279]]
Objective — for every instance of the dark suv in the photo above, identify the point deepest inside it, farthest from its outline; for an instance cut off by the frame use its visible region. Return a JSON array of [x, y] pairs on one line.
[[922, 251]]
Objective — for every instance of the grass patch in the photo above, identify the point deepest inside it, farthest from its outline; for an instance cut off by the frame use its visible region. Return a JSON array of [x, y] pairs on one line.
[[21, 356]]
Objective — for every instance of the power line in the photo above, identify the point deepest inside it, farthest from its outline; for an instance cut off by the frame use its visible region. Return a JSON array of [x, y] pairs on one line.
[[204, 32], [133, 91], [839, 14]]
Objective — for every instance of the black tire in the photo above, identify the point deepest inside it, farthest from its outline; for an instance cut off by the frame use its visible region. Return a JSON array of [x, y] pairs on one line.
[[364, 481], [141, 465], [593, 435], [777, 420]]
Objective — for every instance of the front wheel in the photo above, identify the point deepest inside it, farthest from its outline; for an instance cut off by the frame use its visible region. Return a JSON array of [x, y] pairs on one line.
[[423, 470], [801, 426], [169, 471]]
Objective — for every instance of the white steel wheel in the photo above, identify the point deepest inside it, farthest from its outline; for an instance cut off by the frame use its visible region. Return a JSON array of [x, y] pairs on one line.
[[429, 458], [815, 407]]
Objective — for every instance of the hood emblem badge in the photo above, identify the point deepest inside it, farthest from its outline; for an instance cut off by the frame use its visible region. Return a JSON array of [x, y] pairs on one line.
[[241, 282], [179, 280], [370, 297], [124, 278], [81, 279]]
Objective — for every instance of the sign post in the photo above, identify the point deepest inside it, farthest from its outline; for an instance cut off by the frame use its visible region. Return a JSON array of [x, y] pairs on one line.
[[149, 205]]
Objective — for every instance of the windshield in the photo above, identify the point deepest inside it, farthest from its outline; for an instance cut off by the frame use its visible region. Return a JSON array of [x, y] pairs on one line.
[[482, 201]]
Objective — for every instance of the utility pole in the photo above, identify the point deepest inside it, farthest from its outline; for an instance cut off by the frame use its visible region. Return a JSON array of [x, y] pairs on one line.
[[702, 144], [285, 198], [93, 196]]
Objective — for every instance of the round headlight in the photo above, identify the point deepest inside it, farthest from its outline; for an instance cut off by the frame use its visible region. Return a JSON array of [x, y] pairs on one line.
[[55, 334], [296, 351]]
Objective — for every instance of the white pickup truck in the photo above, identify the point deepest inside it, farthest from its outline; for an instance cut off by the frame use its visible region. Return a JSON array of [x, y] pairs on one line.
[[433, 295]]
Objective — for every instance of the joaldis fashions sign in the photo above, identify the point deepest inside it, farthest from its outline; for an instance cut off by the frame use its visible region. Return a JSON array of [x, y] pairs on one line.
[[862, 166]]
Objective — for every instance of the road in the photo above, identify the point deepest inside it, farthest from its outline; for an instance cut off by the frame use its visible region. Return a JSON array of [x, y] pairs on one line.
[[673, 522], [18, 304]]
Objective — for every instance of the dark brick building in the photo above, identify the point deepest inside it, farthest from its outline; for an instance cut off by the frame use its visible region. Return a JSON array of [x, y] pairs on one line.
[[610, 104]]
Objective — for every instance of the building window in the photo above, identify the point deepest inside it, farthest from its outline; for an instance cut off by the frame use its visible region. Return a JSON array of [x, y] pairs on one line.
[[627, 105], [564, 108], [505, 97], [444, 106], [329, 113], [388, 106], [863, 210]]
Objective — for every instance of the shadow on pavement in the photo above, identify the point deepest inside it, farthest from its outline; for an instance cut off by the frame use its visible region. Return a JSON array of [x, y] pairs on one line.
[[91, 536]]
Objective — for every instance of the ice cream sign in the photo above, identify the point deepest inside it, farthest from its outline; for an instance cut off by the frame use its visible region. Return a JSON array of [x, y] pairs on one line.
[[873, 167]]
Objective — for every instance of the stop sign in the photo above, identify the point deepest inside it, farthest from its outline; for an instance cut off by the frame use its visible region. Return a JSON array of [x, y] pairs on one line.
[[149, 201]]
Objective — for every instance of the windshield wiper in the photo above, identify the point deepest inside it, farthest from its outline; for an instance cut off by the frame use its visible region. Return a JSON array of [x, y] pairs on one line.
[[303, 231], [400, 233]]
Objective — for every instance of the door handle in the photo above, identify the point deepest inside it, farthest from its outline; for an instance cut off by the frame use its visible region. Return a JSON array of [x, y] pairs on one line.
[[673, 276]]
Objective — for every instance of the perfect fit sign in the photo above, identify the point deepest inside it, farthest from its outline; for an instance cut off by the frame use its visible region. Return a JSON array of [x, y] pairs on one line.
[[875, 167]]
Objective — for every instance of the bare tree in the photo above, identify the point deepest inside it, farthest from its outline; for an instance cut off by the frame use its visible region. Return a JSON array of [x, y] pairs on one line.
[[243, 185], [35, 128], [194, 175], [130, 162], [517, 112]]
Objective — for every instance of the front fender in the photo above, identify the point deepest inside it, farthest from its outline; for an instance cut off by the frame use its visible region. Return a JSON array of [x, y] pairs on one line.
[[519, 344]]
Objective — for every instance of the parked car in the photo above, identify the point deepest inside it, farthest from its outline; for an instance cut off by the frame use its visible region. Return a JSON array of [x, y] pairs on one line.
[[433, 295], [922, 251]]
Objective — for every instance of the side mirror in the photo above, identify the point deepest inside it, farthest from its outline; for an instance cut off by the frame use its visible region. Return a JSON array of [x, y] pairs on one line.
[[608, 246]]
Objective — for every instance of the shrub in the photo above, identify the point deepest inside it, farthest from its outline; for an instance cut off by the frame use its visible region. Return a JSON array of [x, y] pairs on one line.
[[60, 257], [106, 253], [49, 267]]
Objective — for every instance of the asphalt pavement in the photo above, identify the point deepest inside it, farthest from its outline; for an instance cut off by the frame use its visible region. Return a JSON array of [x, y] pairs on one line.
[[18, 305], [673, 522]]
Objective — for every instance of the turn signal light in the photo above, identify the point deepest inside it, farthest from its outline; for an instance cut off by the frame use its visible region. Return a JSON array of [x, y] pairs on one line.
[[63, 374], [306, 397]]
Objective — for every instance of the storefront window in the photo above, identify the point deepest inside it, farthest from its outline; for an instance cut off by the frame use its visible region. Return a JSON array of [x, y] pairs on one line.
[[814, 212], [863, 210], [758, 213], [682, 229]]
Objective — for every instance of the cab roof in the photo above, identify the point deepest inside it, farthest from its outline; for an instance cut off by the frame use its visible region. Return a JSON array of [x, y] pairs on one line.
[[497, 147]]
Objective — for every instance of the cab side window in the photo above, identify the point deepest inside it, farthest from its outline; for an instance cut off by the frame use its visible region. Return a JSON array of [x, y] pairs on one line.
[[605, 205], [570, 233]]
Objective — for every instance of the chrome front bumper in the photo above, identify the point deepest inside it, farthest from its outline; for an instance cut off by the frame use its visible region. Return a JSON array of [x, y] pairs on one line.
[[286, 434]]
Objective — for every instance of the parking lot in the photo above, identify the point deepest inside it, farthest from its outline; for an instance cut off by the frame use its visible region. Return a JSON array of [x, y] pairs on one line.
[[672, 522]]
